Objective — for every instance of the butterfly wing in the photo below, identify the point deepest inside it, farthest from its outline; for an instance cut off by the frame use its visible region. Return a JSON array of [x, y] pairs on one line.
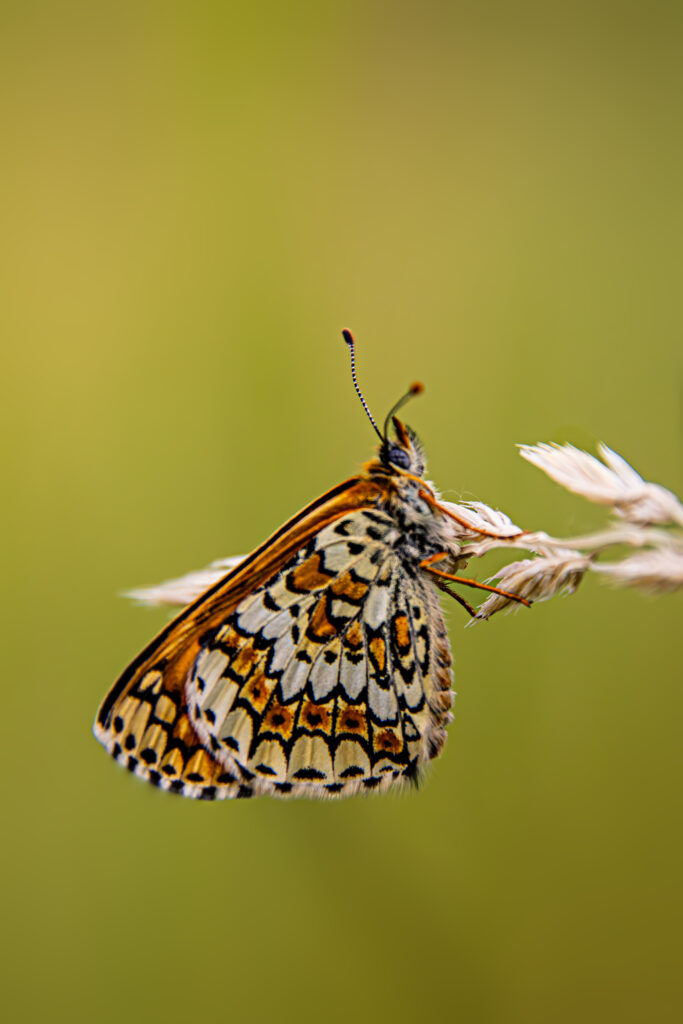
[[318, 666]]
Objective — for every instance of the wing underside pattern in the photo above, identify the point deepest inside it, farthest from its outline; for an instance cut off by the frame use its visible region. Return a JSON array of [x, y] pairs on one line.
[[331, 677]]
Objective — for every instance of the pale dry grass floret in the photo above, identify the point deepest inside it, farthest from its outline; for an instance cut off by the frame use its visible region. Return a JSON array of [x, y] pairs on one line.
[[646, 516], [561, 564]]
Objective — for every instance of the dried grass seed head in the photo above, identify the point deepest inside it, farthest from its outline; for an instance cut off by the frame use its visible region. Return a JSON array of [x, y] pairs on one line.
[[612, 482]]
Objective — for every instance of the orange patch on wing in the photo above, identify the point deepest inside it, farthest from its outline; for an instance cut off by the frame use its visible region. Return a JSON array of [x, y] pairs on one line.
[[280, 720], [386, 741], [354, 635], [346, 586], [257, 692], [320, 626], [378, 652], [402, 631], [351, 720], [184, 731], [229, 639], [310, 575], [245, 661], [200, 765], [316, 716]]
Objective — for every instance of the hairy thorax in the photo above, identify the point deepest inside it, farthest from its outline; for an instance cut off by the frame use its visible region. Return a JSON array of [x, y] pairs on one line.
[[422, 531]]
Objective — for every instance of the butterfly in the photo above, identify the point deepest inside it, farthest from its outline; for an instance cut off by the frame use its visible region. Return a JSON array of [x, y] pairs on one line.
[[319, 665]]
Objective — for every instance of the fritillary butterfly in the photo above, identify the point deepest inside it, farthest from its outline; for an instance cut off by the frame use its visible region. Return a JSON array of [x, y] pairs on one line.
[[319, 665]]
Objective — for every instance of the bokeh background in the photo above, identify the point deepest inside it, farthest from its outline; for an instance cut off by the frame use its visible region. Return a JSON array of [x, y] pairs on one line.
[[196, 198]]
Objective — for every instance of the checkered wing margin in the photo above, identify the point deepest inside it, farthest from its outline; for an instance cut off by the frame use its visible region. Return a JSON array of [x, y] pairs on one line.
[[330, 676]]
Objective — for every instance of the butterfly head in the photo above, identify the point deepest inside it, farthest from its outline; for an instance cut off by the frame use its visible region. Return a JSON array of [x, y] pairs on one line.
[[405, 452]]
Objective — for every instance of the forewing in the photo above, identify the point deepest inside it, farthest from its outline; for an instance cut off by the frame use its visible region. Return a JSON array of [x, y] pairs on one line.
[[143, 721]]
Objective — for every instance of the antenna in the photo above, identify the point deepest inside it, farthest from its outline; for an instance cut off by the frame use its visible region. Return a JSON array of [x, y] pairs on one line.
[[414, 389], [348, 338]]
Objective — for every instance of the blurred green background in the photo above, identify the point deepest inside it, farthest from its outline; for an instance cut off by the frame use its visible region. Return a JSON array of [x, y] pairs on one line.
[[196, 199]]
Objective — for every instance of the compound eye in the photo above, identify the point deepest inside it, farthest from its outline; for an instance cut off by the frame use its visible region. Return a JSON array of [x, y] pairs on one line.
[[399, 457]]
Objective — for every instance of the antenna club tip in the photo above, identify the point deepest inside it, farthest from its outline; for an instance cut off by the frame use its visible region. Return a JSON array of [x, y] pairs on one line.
[[417, 388], [348, 337]]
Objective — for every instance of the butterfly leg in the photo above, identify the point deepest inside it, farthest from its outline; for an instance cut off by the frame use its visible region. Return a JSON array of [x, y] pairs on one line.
[[443, 585], [427, 564]]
